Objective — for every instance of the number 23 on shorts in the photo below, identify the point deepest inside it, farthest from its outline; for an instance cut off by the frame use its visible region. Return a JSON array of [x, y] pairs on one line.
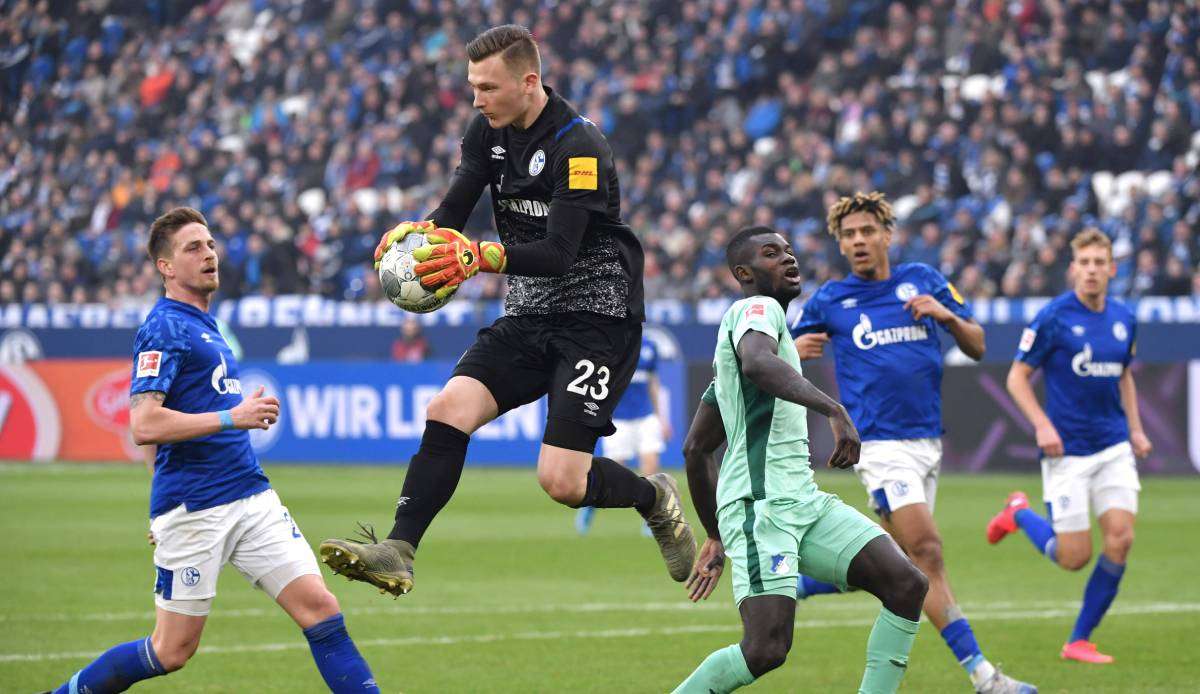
[[597, 389]]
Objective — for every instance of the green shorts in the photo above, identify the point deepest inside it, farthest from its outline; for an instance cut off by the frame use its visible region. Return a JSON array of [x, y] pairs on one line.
[[771, 542]]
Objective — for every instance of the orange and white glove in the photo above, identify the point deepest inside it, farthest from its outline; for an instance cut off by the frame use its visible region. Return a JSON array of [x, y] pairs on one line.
[[451, 258], [396, 233]]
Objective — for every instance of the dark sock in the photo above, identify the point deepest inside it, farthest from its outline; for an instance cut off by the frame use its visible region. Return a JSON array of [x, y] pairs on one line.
[[612, 485], [432, 476]]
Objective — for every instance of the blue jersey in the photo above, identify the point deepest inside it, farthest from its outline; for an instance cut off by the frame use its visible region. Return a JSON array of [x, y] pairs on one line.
[[635, 403], [1082, 354], [889, 366], [180, 352]]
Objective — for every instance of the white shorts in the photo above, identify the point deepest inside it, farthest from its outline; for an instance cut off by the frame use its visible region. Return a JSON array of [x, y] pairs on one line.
[[899, 473], [256, 534], [634, 437], [1104, 480]]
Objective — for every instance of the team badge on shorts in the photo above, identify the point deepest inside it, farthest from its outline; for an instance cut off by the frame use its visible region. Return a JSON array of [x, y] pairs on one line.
[[900, 488], [190, 576], [1063, 502], [779, 564]]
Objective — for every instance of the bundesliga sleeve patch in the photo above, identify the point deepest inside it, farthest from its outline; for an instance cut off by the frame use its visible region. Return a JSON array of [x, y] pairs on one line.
[[148, 364], [582, 173], [1027, 338], [954, 293], [755, 310]]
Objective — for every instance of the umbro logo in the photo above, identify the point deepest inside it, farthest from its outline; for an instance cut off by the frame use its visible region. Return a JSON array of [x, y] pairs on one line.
[[498, 152], [849, 303], [206, 337], [1077, 329]]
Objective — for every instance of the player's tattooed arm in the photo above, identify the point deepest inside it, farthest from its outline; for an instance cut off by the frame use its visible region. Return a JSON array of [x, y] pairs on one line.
[[761, 364], [705, 435], [149, 395]]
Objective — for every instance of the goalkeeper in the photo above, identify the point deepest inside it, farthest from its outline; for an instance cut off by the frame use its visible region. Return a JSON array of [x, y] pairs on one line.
[[573, 315]]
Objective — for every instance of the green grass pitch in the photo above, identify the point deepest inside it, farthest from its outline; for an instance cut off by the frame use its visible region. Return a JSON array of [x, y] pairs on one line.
[[509, 599]]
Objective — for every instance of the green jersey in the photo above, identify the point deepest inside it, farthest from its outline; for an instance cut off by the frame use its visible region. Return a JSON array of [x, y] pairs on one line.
[[767, 454]]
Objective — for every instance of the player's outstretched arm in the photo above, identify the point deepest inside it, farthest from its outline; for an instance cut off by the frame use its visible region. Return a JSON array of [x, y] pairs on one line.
[[1137, 435], [761, 364], [1022, 393], [151, 423]]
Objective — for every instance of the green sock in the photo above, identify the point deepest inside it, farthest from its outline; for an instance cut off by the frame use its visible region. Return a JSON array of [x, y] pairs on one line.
[[722, 671], [887, 653]]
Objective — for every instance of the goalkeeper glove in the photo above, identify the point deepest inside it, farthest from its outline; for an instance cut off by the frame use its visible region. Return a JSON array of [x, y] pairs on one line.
[[396, 233], [450, 259]]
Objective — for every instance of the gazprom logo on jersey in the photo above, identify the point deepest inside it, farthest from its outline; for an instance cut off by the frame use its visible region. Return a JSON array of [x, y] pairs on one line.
[[221, 381], [533, 208], [866, 338], [1083, 365]]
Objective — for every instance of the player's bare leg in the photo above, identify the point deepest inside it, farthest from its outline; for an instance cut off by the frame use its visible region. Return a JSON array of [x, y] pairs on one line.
[[576, 478], [176, 637], [457, 411], [563, 473], [768, 624], [1073, 550], [917, 534], [307, 601]]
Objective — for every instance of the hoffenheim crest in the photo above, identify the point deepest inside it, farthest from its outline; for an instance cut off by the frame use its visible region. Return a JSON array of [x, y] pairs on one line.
[[1120, 331], [190, 576], [537, 163], [906, 291]]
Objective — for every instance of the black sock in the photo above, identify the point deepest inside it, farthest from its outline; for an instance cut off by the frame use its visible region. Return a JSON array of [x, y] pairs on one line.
[[433, 475], [612, 485]]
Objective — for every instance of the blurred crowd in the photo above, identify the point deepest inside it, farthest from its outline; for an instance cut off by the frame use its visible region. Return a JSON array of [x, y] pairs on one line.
[[304, 128]]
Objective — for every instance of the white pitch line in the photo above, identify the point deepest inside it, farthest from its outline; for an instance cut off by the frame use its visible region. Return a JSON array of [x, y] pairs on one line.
[[400, 610], [298, 644]]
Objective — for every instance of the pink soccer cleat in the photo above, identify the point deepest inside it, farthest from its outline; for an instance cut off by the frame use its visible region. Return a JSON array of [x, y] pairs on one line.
[[1084, 652], [1005, 522]]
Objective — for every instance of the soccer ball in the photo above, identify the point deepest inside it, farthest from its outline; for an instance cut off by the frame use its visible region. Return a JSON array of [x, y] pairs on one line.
[[399, 279]]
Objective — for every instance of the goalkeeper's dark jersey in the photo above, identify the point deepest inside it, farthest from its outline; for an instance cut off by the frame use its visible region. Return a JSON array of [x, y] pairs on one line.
[[561, 158]]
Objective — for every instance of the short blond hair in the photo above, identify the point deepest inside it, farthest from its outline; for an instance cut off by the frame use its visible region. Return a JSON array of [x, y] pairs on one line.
[[874, 202], [1091, 237]]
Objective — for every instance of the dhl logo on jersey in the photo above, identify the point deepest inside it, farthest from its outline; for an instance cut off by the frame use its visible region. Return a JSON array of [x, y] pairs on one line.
[[582, 173]]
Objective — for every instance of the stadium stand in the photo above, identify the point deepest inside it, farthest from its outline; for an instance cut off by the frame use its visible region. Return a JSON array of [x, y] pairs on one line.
[[304, 128]]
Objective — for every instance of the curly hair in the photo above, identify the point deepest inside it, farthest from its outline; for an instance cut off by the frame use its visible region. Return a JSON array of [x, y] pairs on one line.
[[874, 202]]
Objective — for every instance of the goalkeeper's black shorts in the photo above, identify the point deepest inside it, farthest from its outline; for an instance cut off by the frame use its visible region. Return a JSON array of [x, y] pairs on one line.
[[583, 361]]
